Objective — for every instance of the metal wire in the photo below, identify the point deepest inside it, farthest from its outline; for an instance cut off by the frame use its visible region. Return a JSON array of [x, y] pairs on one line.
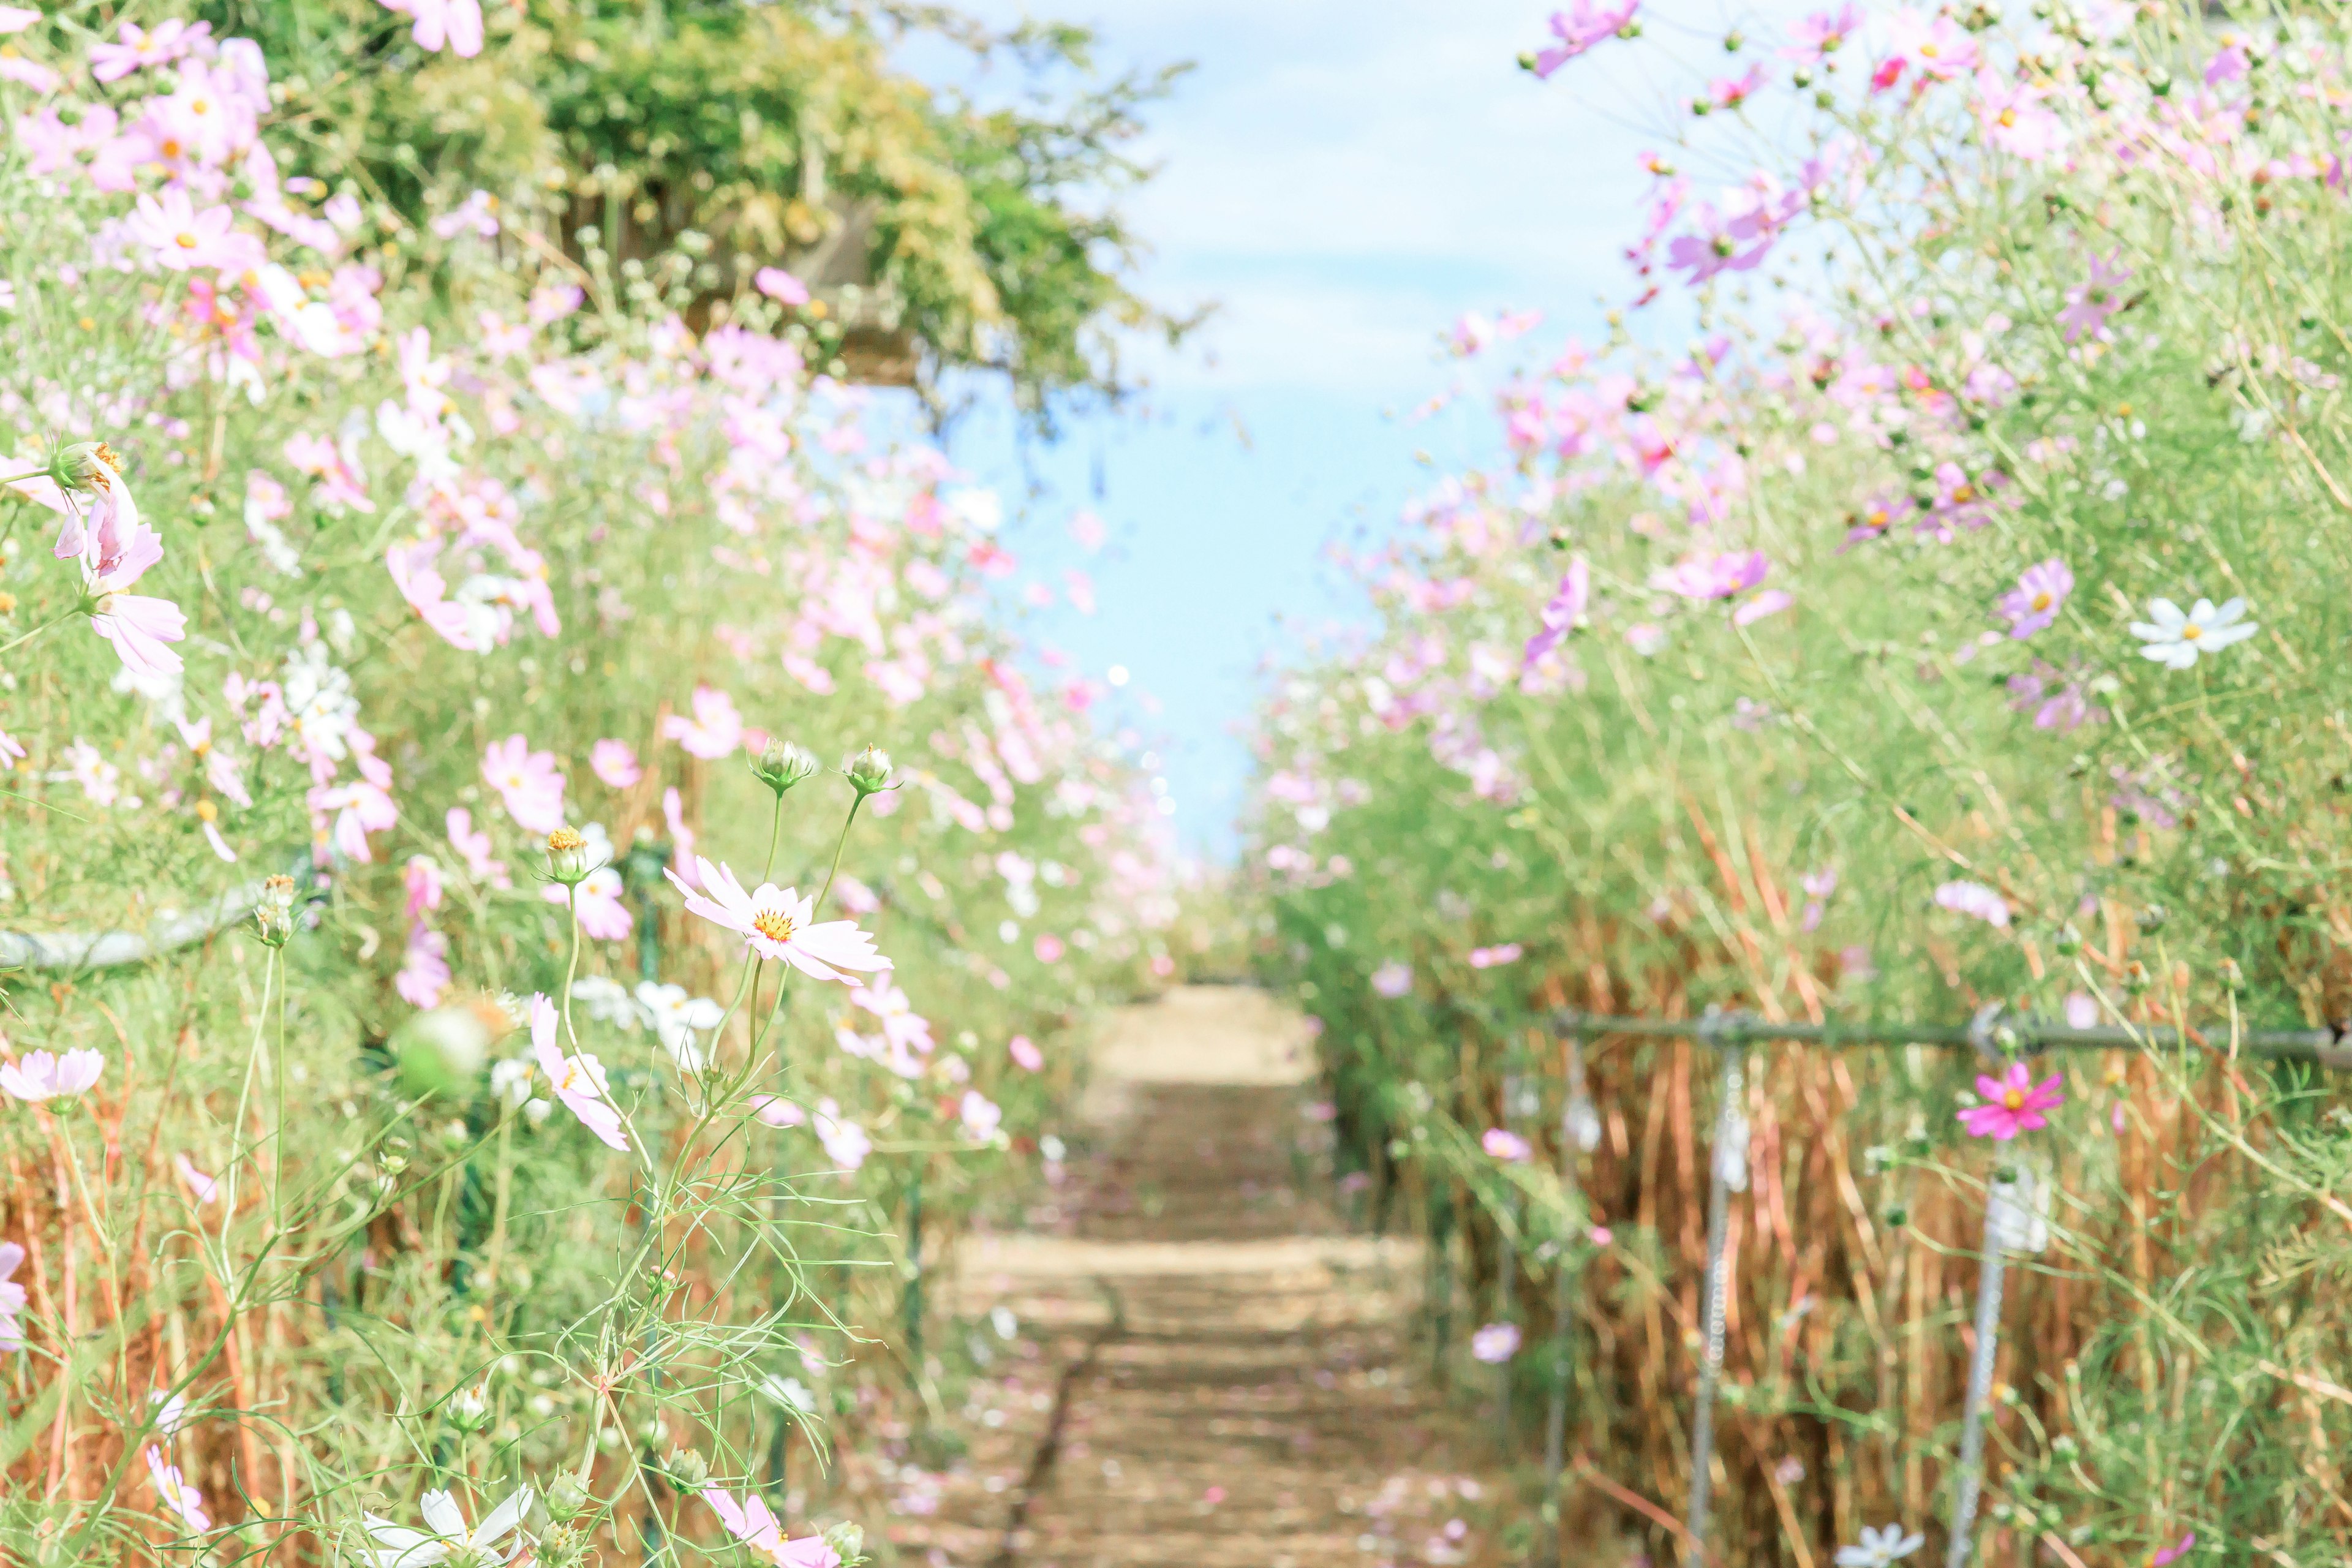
[[2330, 1049], [1728, 1117]]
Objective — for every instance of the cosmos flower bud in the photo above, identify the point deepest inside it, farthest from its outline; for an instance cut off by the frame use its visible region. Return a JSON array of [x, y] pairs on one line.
[[468, 1408], [781, 764], [869, 772], [84, 468], [848, 1541], [688, 1468], [566, 1500], [275, 912], [567, 856], [441, 1050]]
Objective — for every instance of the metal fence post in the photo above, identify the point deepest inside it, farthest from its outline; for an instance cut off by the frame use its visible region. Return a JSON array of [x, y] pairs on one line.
[[1727, 1168], [1578, 1133]]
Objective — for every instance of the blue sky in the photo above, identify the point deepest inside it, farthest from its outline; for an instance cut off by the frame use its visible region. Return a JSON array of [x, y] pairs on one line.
[[1342, 179]]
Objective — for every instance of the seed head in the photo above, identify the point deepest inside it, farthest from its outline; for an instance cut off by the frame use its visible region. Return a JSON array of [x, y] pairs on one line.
[[274, 913]]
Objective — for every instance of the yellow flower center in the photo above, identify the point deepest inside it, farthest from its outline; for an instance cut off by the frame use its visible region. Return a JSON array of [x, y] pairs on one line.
[[170, 148], [563, 840], [184, 241], [2007, 117], [2042, 600], [773, 924], [206, 811], [2014, 1100], [2191, 632], [1965, 494]]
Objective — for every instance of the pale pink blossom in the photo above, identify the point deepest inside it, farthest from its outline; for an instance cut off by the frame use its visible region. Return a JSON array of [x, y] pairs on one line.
[[777, 1111], [901, 1024], [181, 239], [425, 968], [38, 1075], [1504, 1145], [603, 914], [681, 835], [357, 808], [1024, 1051], [456, 24], [750, 1522], [181, 1498], [528, 782], [781, 286], [1713, 576], [2041, 591], [980, 1115], [1392, 979], [1562, 611], [616, 763], [579, 1078], [778, 923], [474, 845], [140, 48], [1495, 1343], [16, 18], [115, 555], [846, 1142], [422, 878], [205, 1188], [1974, 899], [1494, 957], [12, 1298], [1583, 25], [716, 729]]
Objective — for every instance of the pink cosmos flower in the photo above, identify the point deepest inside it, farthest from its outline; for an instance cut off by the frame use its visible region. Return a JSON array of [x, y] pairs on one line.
[[1495, 957], [981, 1116], [358, 807], [1024, 1051], [424, 970], [117, 552], [2014, 120], [186, 240], [1821, 35], [681, 835], [1504, 1145], [477, 214], [1723, 244], [2089, 302], [616, 763], [579, 1079], [2034, 603], [528, 782], [716, 729], [422, 877], [178, 1496], [901, 1024], [1974, 899], [604, 915], [1713, 576], [2081, 1011], [750, 1522], [1771, 602], [1048, 948], [1495, 1343], [1561, 612], [1392, 979], [141, 49], [16, 18], [2174, 1552], [1583, 25], [474, 845], [205, 1188], [38, 1075], [455, 22], [778, 923], [2013, 1103], [781, 286], [1937, 49], [12, 1298], [777, 1111], [846, 1142]]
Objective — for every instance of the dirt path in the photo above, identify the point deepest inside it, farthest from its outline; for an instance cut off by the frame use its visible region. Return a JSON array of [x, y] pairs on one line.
[[1227, 1377]]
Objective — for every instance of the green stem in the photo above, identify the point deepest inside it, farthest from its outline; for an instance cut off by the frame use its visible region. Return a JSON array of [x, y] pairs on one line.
[[571, 903], [843, 843], [775, 833], [36, 631]]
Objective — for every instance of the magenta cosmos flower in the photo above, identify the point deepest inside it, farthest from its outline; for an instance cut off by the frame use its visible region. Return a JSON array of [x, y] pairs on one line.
[[39, 1076], [2013, 1103], [1581, 26], [777, 922], [2035, 601]]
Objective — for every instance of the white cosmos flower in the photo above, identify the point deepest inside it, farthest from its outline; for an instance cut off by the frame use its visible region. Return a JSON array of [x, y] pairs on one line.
[[2174, 639], [397, 1546], [1879, 1548], [778, 923], [678, 1018]]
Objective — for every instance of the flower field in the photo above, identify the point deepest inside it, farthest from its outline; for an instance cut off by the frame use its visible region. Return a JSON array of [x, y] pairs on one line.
[[535, 890], [1950, 632]]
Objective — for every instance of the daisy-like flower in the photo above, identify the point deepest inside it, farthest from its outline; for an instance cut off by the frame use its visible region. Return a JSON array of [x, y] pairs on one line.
[[444, 1535], [980, 1115], [1496, 1343], [777, 922], [750, 1522], [37, 1075], [115, 555], [2174, 639], [2034, 603], [579, 1078], [616, 763], [2013, 1103], [1879, 1548], [901, 1024], [178, 1496]]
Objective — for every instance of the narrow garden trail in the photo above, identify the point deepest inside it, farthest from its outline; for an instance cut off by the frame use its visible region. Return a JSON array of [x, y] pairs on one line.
[[1238, 1382]]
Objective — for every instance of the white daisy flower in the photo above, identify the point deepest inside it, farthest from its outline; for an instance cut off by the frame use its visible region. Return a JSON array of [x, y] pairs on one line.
[[2174, 639]]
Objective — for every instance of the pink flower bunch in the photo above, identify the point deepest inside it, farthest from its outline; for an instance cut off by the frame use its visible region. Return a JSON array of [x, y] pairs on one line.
[[2012, 1103]]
